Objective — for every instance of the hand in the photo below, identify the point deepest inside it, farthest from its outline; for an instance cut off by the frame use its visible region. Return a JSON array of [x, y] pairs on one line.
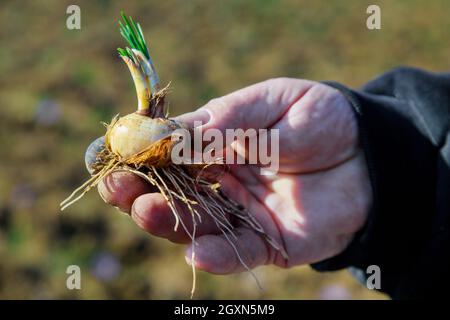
[[313, 206]]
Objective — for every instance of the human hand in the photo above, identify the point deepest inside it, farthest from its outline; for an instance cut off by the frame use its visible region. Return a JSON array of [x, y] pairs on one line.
[[314, 204]]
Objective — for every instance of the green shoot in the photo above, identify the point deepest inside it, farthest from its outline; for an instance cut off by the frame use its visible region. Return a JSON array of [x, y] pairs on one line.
[[141, 67], [132, 32]]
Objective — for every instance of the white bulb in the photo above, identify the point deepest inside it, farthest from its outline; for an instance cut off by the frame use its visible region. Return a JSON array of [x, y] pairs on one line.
[[134, 133]]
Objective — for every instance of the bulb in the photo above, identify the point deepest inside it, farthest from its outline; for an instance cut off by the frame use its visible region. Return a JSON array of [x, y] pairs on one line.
[[134, 133]]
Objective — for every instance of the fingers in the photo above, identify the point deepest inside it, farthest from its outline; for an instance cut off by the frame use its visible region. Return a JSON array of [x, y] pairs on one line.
[[257, 106], [152, 213], [121, 188], [149, 209], [215, 254]]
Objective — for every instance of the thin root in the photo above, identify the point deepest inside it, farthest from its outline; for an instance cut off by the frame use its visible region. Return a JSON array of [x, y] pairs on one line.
[[183, 186]]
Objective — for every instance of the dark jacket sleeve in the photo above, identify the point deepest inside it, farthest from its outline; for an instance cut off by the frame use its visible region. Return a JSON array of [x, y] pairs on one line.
[[404, 120]]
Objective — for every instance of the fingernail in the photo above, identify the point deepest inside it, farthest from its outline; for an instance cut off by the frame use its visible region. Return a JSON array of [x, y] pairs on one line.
[[195, 119]]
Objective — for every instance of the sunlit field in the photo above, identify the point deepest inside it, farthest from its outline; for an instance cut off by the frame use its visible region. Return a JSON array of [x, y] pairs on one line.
[[57, 85]]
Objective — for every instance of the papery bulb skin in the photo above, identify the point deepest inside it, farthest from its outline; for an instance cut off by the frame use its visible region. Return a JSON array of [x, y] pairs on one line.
[[134, 133]]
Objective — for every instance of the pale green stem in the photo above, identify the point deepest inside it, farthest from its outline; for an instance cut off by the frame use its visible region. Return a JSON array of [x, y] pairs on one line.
[[141, 83]]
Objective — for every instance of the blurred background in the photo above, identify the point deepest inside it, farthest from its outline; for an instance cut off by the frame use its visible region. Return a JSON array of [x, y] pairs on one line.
[[56, 85]]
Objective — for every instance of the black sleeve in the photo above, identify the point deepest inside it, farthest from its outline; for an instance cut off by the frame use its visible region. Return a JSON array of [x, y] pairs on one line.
[[404, 120]]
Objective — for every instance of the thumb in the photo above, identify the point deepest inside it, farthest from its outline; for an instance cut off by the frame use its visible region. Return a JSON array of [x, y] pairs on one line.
[[258, 106]]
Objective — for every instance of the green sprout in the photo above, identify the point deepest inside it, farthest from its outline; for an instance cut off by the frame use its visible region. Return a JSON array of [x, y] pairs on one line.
[[132, 32], [142, 65]]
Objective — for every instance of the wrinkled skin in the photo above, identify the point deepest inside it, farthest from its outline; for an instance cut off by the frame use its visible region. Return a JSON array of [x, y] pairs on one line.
[[313, 206]]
